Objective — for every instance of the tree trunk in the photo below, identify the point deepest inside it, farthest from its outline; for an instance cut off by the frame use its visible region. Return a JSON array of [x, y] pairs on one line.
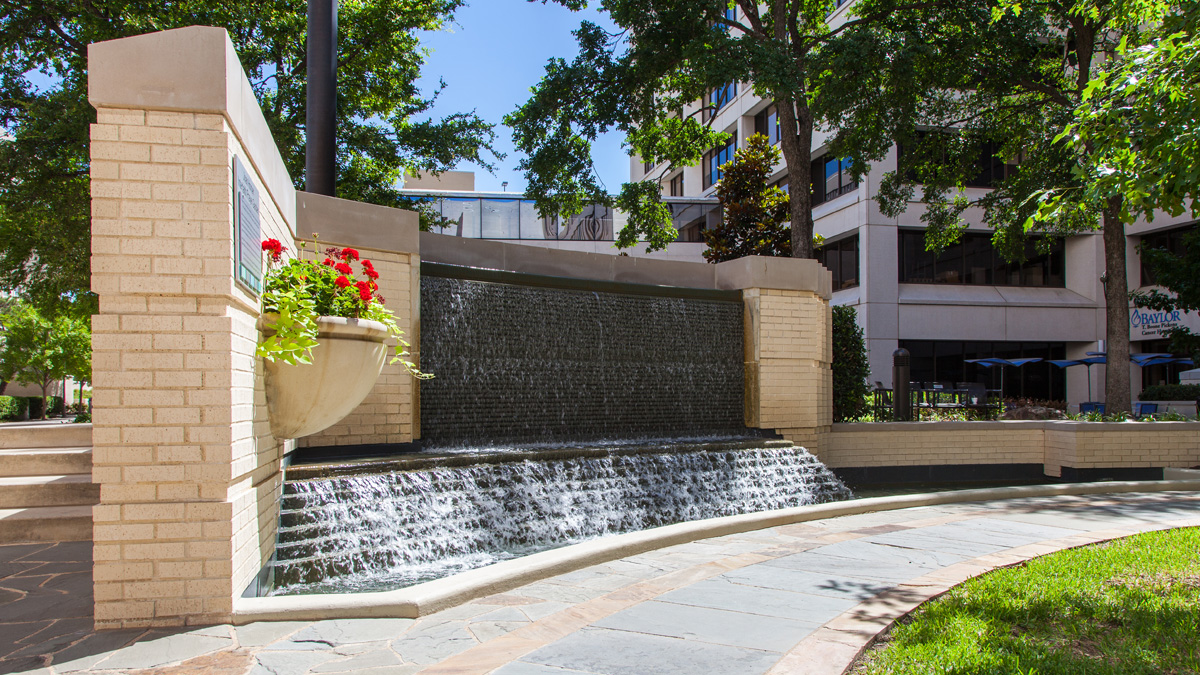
[[1117, 392], [45, 386], [796, 121]]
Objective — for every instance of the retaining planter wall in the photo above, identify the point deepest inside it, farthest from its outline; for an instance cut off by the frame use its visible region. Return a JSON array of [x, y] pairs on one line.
[[1077, 446]]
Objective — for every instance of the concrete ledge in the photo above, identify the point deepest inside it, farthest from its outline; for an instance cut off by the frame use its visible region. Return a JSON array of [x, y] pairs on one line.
[[789, 274], [45, 436], [433, 596], [749, 272], [350, 223]]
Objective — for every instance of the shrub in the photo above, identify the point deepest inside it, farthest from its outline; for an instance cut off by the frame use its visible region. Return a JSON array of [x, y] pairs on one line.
[[1171, 392], [82, 418], [12, 407], [850, 366]]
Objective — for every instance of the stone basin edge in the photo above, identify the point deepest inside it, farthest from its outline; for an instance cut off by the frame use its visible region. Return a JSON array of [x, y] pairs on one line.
[[433, 596]]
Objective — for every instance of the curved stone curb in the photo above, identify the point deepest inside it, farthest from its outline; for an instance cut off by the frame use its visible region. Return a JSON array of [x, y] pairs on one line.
[[834, 647], [433, 596]]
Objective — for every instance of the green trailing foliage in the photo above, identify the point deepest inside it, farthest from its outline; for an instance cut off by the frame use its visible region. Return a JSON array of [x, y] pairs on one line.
[[383, 130], [851, 366], [298, 290]]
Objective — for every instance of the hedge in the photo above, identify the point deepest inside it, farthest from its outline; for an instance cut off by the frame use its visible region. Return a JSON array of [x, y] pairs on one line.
[[35, 406], [1171, 392], [12, 407]]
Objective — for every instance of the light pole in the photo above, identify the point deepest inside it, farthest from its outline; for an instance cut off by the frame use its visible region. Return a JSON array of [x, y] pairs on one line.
[[320, 126]]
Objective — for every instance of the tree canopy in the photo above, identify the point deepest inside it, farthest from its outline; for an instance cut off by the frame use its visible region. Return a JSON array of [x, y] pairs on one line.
[[645, 81], [977, 94], [44, 203], [39, 350]]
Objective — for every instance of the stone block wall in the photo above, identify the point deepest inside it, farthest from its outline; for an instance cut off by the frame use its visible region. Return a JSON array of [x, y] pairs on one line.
[[1082, 445], [788, 356]]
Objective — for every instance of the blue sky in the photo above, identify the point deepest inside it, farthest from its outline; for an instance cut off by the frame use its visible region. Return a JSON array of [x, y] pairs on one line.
[[496, 51]]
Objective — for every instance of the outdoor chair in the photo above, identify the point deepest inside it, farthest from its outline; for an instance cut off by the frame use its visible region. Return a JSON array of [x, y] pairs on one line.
[[1091, 407], [1141, 409]]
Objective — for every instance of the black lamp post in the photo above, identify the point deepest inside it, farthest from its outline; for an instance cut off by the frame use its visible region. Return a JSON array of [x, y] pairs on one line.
[[320, 144]]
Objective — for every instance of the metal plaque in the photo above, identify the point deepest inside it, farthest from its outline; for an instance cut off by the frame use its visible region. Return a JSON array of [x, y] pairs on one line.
[[247, 232]]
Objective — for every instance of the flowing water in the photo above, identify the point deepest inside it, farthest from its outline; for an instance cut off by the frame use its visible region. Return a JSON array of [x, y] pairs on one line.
[[519, 369], [381, 531]]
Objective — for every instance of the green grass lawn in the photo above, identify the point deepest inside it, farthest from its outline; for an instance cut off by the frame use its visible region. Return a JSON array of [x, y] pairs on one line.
[[1127, 606]]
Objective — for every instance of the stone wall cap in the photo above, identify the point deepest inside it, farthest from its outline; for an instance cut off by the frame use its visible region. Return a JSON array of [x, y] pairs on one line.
[[350, 223], [193, 69], [793, 274]]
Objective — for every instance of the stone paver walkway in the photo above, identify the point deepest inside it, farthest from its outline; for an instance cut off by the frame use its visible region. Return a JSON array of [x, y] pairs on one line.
[[801, 598]]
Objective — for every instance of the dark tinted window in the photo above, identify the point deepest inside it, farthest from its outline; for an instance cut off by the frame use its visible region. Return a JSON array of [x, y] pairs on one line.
[[973, 260], [841, 259], [1171, 240], [945, 362]]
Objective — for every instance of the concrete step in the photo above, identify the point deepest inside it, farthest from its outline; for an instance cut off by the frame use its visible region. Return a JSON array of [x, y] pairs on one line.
[[46, 523], [45, 461], [44, 435], [19, 492]]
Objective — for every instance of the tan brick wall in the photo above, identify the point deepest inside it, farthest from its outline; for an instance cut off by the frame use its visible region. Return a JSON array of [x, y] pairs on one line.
[[1079, 445], [1115, 445], [386, 415], [934, 443], [789, 381], [188, 470]]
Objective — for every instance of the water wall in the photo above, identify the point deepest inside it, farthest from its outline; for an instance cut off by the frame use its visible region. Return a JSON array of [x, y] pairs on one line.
[[377, 531], [516, 362]]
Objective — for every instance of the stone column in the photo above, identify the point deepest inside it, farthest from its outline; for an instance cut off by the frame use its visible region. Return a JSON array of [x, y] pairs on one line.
[[788, 329], [189, 473]]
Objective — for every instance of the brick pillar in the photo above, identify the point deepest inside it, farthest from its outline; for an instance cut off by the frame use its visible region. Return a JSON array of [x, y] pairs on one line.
[[788, 332], [189, 473]]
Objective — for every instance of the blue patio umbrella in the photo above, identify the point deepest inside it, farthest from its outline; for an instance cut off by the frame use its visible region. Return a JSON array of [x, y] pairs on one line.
[[1089, 362], [994, 362]]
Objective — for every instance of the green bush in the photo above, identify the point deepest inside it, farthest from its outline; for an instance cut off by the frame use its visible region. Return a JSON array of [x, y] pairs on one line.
[[850, 366], [1171, 392], [12, 407], [82, 418], [55, 404]]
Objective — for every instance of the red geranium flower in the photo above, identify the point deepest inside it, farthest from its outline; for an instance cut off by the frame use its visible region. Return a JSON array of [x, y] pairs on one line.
[[364, 290], [343, 268], [371, 273], [349, 254], [367, 264], [329, 262], [342, 282], [276, 249]]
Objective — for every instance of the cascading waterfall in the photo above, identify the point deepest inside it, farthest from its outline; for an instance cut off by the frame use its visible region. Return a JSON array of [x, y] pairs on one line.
[[523, 371], [389, 530]]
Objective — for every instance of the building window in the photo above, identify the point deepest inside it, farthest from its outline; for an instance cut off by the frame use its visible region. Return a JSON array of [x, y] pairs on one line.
[[646, 167], [830, 179], [782, 184], [1171, 241], [973, 260], [718, 98], [841, 259], [767, 124], [676, 189], [944, 362], [990, 168], [713, 159], [693, 219]]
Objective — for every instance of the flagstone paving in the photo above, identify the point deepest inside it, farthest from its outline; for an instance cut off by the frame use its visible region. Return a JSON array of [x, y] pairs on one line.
[[802, 598]]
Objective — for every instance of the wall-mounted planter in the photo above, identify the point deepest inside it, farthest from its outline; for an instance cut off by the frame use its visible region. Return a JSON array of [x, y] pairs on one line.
[[306, 398]]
